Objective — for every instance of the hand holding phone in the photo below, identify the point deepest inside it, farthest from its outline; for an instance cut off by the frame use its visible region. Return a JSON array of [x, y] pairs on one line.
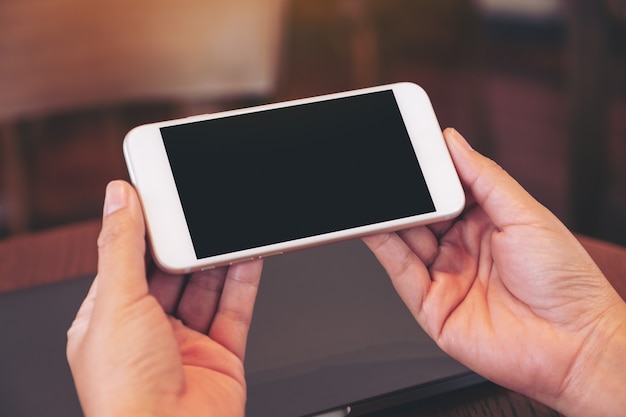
[[232, 186]]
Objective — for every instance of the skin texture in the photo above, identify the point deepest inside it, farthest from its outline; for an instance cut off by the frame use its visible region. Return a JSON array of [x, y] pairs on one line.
[[507, 290], [151, 344]]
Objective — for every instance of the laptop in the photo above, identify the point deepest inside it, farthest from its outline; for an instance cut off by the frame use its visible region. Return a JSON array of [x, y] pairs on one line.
[[329, 336]]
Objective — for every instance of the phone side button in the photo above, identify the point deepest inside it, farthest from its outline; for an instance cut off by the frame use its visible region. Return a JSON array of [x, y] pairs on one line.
[[242, 260]]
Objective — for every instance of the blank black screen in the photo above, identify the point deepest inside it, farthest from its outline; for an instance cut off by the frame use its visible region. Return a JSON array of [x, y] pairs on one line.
[[276, 175]]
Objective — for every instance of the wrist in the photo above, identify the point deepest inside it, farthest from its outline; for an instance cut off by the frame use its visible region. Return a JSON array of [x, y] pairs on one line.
[[596, 381]]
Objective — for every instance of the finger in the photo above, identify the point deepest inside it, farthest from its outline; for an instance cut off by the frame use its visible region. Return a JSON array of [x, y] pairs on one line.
[[409, 275], [421, 241], [166, 288], [234, 313], [200, 299], [439, 229], [503, 199], [121, 248]]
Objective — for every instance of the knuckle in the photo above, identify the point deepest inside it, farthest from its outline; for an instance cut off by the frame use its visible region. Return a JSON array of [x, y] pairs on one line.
[[379, 241], [210, 281], [108, 234], [112, 232]]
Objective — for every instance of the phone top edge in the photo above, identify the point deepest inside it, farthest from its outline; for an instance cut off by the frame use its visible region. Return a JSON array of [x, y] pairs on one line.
[[276, 105]]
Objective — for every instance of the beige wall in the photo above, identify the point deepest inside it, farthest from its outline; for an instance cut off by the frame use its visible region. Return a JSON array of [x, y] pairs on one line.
[[59, 54]]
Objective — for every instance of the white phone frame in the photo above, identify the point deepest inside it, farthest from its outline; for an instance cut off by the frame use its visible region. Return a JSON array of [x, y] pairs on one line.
[[173, 250]]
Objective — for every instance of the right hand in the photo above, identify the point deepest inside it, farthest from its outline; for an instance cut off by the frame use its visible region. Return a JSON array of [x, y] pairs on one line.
[[508, 291]]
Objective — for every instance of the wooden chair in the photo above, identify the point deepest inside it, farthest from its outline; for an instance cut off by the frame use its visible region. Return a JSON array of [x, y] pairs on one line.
[[63, 55]]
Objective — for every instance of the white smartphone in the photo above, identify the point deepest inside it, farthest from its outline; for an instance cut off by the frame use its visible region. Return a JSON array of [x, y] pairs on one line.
[[244, 184]]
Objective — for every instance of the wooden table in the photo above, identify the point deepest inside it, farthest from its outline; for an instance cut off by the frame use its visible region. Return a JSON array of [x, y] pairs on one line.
[[70, 252]]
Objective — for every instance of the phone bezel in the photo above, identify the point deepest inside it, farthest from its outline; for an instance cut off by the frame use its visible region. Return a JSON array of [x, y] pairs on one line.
[[172, 246]]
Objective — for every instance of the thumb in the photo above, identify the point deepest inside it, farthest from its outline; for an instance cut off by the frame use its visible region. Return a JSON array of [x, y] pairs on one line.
[[121, 247], [504, 200]]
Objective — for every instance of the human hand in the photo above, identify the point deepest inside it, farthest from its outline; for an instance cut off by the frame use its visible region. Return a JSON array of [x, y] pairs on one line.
[[161, 346], [507, 290]]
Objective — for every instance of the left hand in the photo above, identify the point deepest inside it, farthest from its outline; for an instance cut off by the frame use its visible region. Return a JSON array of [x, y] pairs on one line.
[[151, 344]]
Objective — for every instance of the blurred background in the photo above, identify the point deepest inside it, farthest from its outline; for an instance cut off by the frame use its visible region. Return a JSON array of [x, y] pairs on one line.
[[540, 86]]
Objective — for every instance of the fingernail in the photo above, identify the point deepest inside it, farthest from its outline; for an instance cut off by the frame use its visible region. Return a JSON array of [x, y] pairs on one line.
[[460, 139], [115, 198]]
